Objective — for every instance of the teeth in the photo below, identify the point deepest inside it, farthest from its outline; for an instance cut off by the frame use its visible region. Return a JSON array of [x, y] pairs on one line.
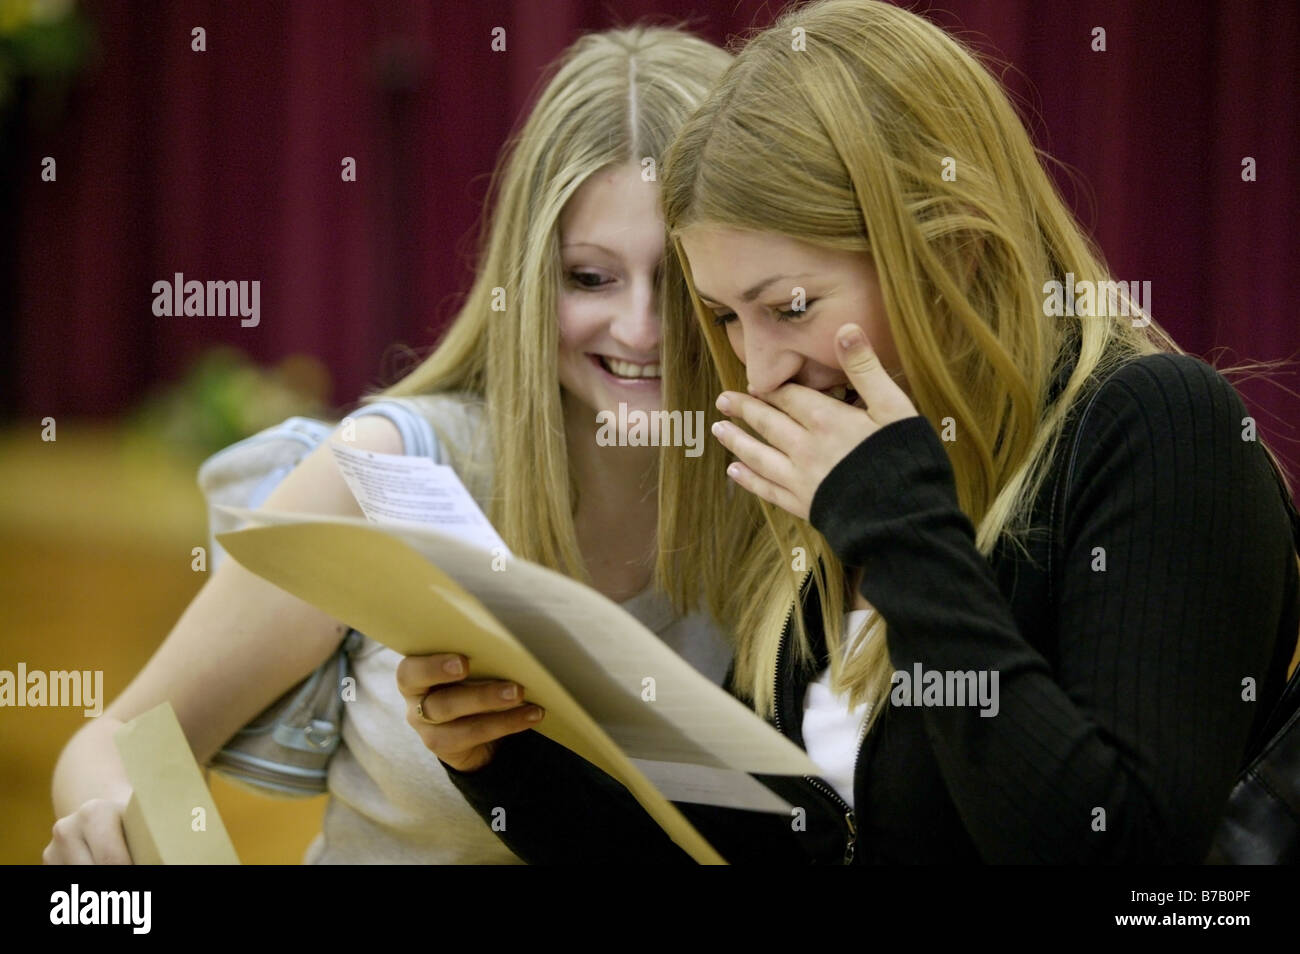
[[625, 369]]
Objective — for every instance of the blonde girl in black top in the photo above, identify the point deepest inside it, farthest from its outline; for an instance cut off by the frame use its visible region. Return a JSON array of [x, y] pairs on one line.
[[1055, 496]]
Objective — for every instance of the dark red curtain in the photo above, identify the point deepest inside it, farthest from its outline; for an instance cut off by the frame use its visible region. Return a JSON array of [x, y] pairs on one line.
[[226, 165]]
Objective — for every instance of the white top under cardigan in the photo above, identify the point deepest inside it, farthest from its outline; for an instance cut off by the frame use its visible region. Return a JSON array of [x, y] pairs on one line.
[[390, 801], [832, 732]]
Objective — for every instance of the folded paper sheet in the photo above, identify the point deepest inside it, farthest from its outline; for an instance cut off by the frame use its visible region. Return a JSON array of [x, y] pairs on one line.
[[580, 656], [171, 818], [412, 489]]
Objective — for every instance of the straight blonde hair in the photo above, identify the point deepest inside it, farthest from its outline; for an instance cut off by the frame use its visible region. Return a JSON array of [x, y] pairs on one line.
[[614, 96]]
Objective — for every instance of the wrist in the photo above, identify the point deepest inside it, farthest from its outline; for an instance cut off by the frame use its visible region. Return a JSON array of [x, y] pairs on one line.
[[875, 479]]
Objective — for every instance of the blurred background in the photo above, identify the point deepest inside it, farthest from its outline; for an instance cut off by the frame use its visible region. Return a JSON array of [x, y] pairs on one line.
[[225, 164]]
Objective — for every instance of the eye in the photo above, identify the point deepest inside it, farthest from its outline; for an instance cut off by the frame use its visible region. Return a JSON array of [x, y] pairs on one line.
[[795, 314], [589, 280], [726, 318]]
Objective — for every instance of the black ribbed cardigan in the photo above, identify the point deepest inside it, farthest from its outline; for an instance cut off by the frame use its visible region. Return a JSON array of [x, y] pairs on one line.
[[1124, 704]]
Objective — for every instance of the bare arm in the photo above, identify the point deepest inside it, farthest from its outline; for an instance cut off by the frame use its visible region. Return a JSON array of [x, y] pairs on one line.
[[239, 645]]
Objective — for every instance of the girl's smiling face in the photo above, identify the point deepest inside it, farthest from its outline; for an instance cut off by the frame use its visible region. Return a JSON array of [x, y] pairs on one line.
[[612, 248], [749, 281]]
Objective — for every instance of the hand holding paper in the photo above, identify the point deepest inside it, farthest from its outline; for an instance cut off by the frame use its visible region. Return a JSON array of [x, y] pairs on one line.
[[458, 720], [171, 818], [580, 656]]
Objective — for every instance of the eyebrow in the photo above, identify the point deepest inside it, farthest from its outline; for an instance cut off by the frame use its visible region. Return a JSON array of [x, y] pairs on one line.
[[590, 245], [749, 294]]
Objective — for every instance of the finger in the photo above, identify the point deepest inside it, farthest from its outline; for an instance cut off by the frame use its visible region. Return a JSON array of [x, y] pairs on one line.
[[766, 489], [809, 408], [56, 853], [885, 400], [415, 674], [461, 735], [69, 846], [753, 453], [77, 852], [105, 837], [448, 703], [766, 421]]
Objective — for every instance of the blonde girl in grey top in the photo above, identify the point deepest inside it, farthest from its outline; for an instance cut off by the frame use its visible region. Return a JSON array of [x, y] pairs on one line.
[[561, 323]]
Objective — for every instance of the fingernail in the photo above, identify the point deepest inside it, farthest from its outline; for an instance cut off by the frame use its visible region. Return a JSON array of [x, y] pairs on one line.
[[718, 429], [533, 714], [723, 404], [850, 338], [454, 666], [509, 692]]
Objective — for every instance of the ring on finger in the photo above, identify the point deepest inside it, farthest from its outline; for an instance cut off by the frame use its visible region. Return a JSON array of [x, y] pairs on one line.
[[419, 709]]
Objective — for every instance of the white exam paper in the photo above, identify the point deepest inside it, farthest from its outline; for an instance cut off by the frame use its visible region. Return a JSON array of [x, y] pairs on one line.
[[395, 488]]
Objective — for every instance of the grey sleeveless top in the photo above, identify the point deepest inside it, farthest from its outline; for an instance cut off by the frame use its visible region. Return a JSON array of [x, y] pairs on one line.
[[390, 801]]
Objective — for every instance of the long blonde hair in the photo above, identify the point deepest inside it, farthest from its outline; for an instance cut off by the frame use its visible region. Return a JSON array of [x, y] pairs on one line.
[[614, 96], [842, 143]]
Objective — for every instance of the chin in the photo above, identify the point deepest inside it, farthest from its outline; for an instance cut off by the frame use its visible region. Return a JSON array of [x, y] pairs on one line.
[[610, 400]]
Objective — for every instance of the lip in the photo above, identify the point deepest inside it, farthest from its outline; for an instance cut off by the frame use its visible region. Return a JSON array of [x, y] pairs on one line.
[[638, 384]]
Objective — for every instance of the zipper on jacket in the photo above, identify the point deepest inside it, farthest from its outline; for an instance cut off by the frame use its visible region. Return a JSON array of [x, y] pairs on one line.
[[857, 757], [850, 820], [851, 848]]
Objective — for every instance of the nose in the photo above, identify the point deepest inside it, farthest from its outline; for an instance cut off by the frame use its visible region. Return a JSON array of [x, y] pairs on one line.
[[637, 325], [768, 362]]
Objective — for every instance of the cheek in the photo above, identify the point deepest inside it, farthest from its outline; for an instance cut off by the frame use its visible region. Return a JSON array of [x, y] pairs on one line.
[[575, 322], [572, 333], [736, 338], [882, 339], [821, 343], [876, 324], [870, 319]]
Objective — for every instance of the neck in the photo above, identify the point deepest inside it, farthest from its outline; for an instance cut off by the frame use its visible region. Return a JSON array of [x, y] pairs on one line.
[[617, 515]]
